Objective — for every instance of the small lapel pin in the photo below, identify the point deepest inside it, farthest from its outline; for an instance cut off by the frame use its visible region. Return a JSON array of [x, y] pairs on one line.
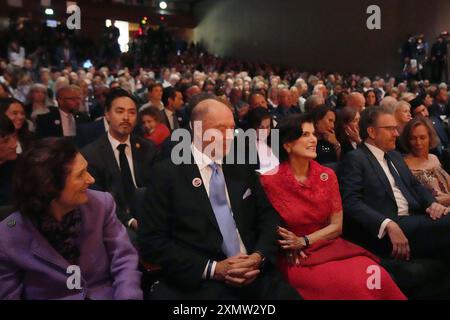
[[57, 122], [324, 177], [138, 145], [197, 182], [11, 223]]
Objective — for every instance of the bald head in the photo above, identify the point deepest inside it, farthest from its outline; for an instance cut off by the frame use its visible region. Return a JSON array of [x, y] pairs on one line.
[[213, 127], [356, 100]]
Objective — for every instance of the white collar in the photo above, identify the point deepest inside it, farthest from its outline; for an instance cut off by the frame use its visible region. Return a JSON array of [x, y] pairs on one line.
[[377, 152], [201, 159], [65, 114], [115, 143]]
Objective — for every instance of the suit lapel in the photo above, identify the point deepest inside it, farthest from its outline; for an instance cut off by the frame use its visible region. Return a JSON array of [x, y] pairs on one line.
[[378, 171], [56, 122], [109, 157], [138, 160], [191, 172]]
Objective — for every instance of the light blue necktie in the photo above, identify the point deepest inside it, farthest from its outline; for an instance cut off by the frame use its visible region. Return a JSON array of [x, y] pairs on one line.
[[224, 216]]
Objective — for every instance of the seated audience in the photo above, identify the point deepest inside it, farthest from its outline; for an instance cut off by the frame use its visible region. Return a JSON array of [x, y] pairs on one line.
[[347, 129], [60, 225], [62, 121], [387, 209], [328, 147], [370, 98], [8, 147], [37, 101], [306, 195], [260, 120], [15, 111], [154, 130], [418, 138], [402, 114]]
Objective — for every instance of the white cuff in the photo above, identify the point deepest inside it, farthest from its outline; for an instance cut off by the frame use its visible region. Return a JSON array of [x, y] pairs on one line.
[[382, 232]]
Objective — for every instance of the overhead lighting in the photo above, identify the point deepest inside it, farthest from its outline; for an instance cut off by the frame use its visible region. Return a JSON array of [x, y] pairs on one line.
[[163, 5], [49, 11]]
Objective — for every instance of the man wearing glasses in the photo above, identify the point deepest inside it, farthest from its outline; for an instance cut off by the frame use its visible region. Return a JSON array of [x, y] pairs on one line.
[[62, 121], [386, 209]]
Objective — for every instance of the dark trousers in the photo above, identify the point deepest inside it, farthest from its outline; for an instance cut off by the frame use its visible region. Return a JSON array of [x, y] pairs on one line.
[[269, 285], [427, 238]]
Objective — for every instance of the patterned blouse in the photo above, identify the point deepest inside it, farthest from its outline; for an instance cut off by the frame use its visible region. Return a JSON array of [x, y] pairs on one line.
[[435, 179], [63, 236]]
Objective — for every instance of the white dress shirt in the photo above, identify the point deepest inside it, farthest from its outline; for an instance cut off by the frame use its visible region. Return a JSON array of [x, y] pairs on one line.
[[68, 124], [169, 115], [267, 160], [203, 163], [150, 104], [402, 203], [114, 144]]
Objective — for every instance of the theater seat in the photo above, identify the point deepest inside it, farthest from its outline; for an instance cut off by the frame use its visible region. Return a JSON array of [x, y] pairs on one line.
[[420, 279]]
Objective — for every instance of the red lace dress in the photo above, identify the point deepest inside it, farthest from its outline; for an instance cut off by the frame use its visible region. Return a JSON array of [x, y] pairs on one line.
[[335, 269]]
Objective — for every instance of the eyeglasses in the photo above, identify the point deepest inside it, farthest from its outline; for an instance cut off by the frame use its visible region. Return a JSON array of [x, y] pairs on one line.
[[393, 129]]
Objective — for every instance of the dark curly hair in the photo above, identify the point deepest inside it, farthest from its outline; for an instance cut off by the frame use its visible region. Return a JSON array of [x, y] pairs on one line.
[[290, 129], [40, 175]]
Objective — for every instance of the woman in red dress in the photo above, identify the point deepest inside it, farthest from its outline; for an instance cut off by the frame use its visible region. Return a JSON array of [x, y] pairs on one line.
[[154, 130], [317, 262]]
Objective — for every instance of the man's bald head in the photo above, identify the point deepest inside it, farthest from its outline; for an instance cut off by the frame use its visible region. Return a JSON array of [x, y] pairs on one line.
[[356, 100], [213, 124]]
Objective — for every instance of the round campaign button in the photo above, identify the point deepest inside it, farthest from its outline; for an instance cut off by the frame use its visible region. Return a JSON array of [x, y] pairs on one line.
[[197, 182]]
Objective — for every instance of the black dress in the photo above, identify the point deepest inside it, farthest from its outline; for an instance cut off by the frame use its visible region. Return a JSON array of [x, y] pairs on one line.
[[325, 152], [6, 173]]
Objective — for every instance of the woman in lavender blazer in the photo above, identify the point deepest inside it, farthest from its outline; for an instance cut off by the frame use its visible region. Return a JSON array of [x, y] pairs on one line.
[[65, 241]]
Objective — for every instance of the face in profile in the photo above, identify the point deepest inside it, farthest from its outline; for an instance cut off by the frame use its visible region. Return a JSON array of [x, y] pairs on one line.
[[8, 146], [403, 114], [305, 146], [385, 133], [77, 182], [122, 117], [149, 123], [326, 124], [263, 131]]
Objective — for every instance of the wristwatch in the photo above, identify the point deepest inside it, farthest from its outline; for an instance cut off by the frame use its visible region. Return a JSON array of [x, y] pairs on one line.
[[263, 259]]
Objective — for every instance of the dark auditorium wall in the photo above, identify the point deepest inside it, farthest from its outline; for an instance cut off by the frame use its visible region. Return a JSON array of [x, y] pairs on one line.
[[320, 34]]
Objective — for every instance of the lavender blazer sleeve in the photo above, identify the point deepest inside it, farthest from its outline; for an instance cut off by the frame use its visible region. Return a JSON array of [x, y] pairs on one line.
[[31, 269]]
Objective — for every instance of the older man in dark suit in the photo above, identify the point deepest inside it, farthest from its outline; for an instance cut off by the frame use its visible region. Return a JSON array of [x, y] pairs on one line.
[[208, 224], [62, 121], [119, 161], [385, 207]]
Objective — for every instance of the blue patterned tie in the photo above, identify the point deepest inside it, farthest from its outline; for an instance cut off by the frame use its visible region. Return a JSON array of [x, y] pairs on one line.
[[224, 216]]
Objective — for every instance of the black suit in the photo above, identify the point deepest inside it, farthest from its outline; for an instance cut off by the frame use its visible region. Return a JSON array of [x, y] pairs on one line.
[[89, 132], [179, 232], [368, 200], [104, 168], [50, 125]]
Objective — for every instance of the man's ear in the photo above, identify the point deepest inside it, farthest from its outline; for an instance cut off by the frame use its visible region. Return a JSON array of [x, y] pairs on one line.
[[371, 132]]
